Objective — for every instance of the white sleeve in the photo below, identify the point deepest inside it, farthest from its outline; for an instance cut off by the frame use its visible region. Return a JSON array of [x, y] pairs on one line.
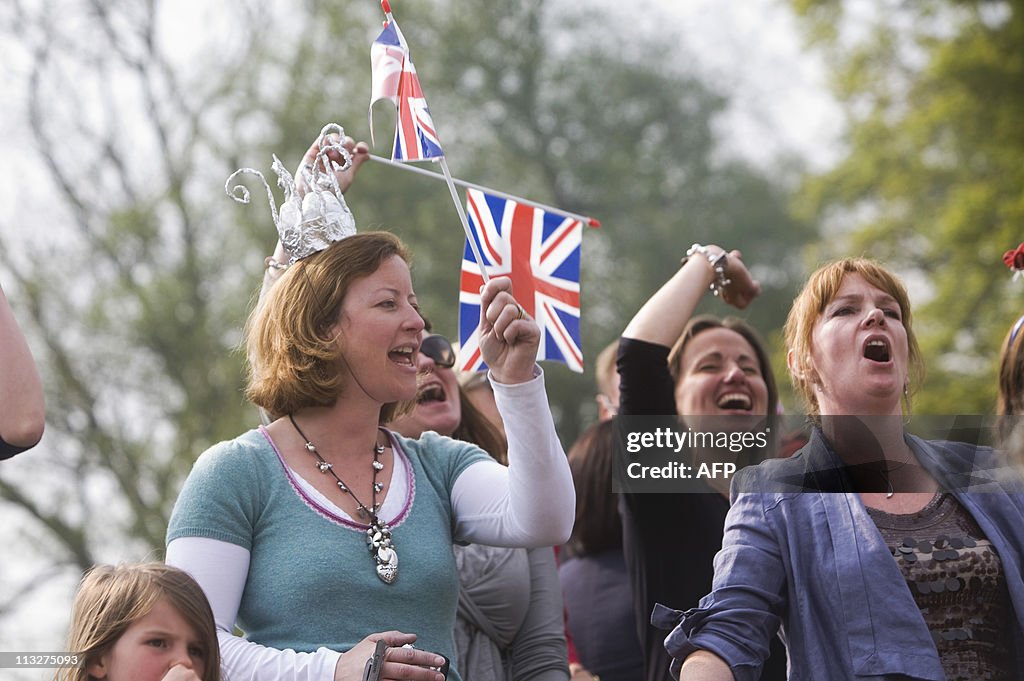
[[532, 502], [221, 569]]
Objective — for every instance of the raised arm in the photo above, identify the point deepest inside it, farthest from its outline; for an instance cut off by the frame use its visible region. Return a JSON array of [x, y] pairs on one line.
[[533, 501], [663, 317], [21, 392], [646, 386]]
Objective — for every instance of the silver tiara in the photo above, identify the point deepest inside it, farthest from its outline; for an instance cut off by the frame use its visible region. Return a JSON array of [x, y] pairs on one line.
[[309, 224]]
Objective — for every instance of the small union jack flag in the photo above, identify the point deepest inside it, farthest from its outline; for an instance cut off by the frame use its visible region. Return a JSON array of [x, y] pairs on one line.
[[387, 54], [540, 252], [393, 76]]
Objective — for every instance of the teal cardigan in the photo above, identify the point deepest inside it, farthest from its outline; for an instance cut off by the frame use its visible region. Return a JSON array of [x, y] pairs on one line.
[[311, 579]]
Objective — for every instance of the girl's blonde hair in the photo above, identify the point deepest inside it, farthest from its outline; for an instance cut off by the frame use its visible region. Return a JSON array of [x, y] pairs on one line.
[[111, 598]]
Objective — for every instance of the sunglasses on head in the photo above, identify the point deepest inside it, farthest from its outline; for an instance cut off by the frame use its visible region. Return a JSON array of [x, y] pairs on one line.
[[439, 349]]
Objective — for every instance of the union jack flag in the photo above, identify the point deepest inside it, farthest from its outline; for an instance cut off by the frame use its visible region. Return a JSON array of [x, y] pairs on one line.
[[540, 252], [393, 77], [387, 54]]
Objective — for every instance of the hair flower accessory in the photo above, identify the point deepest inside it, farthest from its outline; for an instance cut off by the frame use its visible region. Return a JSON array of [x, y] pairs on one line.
[[313, 214], [1014, 259]]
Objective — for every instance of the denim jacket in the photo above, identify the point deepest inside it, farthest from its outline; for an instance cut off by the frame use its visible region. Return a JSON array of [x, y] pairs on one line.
[[814, 562]]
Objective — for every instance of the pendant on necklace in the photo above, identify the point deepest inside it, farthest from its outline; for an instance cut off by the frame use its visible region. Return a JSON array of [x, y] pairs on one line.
[[378, 535], [378, 539]]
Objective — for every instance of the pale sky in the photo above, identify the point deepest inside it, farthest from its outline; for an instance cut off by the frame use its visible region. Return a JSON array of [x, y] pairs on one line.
[[754, 50]]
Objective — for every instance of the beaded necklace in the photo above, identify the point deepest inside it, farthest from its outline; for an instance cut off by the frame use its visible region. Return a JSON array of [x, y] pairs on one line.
[[378, 534]]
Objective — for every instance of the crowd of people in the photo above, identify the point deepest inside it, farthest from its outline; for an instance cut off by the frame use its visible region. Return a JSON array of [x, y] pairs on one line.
[[391, 519]]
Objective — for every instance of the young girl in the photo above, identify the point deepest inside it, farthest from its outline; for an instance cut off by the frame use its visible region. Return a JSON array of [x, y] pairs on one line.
[[142, 622]]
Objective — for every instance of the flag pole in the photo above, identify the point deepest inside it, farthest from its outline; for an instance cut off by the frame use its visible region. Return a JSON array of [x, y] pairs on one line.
[[462, 216], [386, 6], [591, 222]]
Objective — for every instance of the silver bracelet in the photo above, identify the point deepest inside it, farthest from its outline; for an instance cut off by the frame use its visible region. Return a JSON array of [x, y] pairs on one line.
[[718, 263]]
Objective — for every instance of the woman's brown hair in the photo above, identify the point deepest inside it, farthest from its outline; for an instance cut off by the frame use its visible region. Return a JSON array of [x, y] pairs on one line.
[[1010, 403], [292, 357], [474, 427], [591, 458]]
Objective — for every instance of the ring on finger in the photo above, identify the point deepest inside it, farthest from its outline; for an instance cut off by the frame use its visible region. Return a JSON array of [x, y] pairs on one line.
[[522, 312]]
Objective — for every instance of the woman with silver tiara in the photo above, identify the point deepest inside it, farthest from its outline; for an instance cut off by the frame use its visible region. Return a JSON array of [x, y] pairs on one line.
[[295, 529]]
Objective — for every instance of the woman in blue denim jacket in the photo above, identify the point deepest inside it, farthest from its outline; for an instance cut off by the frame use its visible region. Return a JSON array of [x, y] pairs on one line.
[[879, 555]]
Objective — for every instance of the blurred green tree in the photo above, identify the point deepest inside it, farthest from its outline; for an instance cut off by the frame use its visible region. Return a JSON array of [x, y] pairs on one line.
[[933, 91]]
